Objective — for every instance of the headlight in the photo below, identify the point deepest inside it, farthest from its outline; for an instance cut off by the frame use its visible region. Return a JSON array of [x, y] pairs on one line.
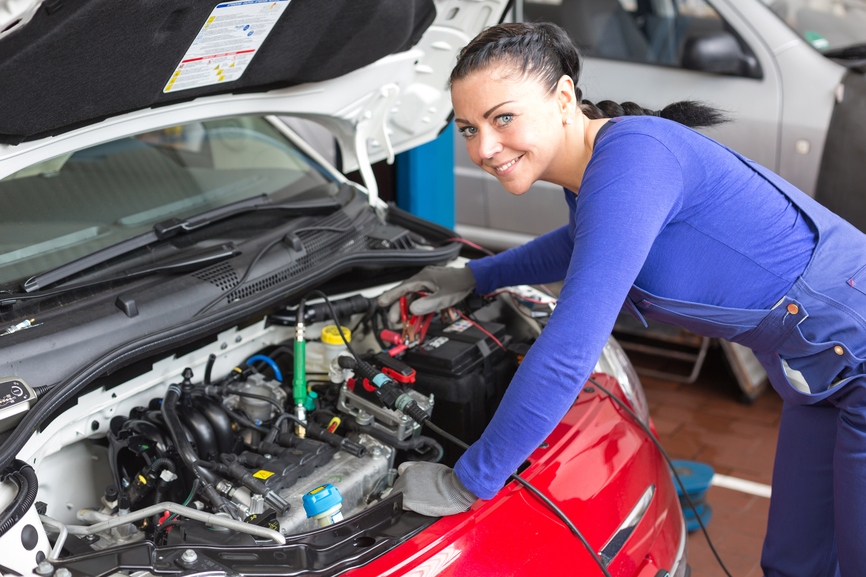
[[614, 362]]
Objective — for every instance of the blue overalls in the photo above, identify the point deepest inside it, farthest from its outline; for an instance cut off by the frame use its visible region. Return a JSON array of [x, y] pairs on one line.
[[815, 334]]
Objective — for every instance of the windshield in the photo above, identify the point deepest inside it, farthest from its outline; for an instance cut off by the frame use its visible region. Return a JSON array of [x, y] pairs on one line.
[[825, 24], [70, 206]]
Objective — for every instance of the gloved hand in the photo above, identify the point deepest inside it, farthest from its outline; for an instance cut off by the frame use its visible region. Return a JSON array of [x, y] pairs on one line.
[[432, 489], [447, 287]]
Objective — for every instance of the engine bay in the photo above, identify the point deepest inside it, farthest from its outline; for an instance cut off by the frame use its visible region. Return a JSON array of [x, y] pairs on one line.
[[206, 458]]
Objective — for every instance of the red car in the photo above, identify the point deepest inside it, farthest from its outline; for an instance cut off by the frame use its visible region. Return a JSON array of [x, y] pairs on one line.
[[175, 396]]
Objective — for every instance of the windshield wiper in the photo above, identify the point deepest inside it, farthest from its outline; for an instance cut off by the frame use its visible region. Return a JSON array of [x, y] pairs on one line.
[[174, 226], [180, 264]]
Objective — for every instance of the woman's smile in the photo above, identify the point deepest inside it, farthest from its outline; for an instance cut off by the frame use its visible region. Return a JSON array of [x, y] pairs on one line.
[[504, 169]]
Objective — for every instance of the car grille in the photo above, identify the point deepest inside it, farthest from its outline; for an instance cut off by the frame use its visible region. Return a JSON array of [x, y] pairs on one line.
[[320, 245], [222, 275]]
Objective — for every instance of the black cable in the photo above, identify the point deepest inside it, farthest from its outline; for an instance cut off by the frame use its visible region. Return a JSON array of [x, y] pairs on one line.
[[24, 477], [247, 272], [336, 320], [365, 317], [41, 391], [374, 323], [377, 491], [671, 465], [244, 421], [556, 510]]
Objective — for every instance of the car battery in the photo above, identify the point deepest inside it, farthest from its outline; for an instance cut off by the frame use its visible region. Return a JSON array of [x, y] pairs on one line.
[[467, 372]]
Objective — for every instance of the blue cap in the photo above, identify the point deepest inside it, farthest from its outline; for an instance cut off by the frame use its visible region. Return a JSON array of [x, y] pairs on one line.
[[321, 499]]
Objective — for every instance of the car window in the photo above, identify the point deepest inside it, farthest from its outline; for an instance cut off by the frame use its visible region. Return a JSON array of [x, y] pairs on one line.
[[67, 207], [646, 31], [825, 24]]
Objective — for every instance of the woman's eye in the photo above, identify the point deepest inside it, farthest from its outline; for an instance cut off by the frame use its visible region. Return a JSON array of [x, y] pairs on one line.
[[467, 131], [504, 119]]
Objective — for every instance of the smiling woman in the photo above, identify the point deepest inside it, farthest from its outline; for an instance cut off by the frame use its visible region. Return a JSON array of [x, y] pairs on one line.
[[672, 226], [515, 101]]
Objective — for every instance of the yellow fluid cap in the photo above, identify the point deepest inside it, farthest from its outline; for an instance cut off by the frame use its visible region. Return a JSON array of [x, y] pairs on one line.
[[330, 335]]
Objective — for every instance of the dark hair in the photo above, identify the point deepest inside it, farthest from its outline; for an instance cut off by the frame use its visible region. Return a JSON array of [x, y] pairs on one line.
[[546, 51]]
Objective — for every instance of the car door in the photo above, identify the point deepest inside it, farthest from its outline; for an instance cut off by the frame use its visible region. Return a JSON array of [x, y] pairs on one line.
[[653, 52]]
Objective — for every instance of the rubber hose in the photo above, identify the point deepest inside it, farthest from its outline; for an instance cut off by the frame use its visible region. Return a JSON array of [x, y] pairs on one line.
[[25, 478], [162, 463], [440, 450], [209, 368], [157, 467]]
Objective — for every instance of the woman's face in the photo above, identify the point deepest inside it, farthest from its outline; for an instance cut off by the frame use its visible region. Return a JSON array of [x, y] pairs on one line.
[[513, 127]]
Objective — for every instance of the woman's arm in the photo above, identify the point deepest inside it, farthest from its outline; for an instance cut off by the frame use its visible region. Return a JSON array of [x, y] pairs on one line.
[[631, 191], [544, 259]]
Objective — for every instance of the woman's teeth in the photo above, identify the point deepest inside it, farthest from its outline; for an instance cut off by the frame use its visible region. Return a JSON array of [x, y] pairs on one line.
[[506, 166]]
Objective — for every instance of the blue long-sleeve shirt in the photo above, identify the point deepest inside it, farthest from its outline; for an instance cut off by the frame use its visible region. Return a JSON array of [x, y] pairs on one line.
[[661, 207]]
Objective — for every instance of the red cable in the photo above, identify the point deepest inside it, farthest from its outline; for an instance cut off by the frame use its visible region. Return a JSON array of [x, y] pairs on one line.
[[424, 328], [470, 243], [520, 296], [520, 307], [480, 329]]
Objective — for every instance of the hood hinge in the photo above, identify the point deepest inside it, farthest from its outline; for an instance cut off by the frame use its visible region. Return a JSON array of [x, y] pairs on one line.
[[372, 125]]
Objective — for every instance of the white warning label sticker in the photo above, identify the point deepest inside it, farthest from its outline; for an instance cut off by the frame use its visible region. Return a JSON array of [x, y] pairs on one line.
[[435, 343], [226, 44], [458, 327]]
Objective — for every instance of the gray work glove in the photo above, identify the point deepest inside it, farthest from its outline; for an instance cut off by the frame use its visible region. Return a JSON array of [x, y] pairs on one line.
[[447, 287], [432, 489]]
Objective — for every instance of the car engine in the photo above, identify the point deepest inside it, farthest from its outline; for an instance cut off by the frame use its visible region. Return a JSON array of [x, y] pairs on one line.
[[175, 457]]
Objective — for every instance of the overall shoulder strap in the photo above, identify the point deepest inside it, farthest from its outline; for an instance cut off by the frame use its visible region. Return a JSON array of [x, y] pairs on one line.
[[603, 129]]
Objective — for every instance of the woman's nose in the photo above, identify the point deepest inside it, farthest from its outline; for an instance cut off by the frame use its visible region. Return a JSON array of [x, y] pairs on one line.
[[489, 145]]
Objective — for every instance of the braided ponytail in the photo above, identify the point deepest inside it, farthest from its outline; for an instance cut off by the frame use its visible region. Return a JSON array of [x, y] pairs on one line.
[[546, 51], [687, 112]]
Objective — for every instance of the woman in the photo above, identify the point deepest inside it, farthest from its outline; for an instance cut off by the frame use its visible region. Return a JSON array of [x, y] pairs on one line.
[[674, 227]]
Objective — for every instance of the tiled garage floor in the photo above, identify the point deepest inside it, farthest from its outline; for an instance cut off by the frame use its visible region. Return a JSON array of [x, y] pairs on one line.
[[706, 421]]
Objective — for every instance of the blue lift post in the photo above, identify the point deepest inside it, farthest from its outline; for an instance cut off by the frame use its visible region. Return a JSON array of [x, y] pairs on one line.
[[425, 179]]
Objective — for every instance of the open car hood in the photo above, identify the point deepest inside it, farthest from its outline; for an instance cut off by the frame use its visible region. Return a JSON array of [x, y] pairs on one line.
[[372, 71]]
